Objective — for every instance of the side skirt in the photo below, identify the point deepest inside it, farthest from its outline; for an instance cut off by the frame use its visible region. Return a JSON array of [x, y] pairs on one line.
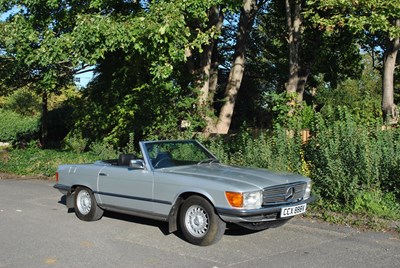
[[138, 213]]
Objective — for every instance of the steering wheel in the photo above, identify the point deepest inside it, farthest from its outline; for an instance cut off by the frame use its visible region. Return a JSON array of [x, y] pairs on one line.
[[156, 165]]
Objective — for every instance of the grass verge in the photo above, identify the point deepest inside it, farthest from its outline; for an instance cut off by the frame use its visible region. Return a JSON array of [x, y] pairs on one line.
[[37, 162]]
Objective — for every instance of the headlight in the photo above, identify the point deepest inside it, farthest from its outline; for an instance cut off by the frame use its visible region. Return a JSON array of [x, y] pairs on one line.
[[252, 200], [307, 194], [247, 200]]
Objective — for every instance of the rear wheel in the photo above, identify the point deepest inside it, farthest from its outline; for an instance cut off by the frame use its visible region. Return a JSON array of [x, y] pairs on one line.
[[199, 223], [86, 207]]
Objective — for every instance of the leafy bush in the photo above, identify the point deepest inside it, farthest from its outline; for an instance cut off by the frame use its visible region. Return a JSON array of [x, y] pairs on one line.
[[33, 161], [103, 150], [296, 115], [347, 159], [16, 128], [362, 95], [375, 202], [2, 101], [75, 142], [279, 150], [217, 147], [354, 167], [387, 148], [23, 101]]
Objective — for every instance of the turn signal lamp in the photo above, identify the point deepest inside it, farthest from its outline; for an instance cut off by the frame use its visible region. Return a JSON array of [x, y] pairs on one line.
[[234, 199]]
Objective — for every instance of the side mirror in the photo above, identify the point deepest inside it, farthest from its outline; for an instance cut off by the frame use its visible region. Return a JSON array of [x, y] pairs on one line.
[[137, 163]]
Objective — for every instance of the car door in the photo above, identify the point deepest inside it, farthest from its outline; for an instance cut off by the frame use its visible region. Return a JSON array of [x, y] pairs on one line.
[[126, 188]]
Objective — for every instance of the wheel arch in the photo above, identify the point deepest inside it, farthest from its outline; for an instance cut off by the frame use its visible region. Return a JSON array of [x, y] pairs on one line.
[[175, 209], [70, 195], [85, 204]]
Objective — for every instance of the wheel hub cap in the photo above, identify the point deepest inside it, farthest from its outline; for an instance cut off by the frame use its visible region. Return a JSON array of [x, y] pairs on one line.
[[197, 221], [84, 202]]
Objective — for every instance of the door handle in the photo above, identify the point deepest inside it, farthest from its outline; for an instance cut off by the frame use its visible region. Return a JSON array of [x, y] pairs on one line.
[[103, 174]]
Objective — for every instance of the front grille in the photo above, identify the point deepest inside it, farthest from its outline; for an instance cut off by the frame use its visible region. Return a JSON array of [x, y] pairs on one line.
[[284, 193]]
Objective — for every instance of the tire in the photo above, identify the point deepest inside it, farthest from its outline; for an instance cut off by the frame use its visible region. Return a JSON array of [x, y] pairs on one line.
[[85, 204], [199, 223]]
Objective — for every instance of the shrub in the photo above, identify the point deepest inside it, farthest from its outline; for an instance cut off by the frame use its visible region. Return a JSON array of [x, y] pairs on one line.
[[217, 147], [17, 128], [24, 102], [375, 202], [103, 151], [33, 161], [347, 159], [354, 167], [279, 150], [74, 142], [387, 148]]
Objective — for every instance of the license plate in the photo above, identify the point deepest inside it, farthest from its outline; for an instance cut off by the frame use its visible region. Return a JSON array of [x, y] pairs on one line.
[[291, 211]]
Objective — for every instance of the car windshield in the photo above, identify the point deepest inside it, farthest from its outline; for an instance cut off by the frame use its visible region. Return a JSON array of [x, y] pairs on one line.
[[177, 153]]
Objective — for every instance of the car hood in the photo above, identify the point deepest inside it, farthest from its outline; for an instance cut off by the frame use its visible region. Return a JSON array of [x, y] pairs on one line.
[[259, 178]]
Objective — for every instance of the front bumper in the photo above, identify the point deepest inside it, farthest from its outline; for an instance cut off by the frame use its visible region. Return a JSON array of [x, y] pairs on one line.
[[257, 215]]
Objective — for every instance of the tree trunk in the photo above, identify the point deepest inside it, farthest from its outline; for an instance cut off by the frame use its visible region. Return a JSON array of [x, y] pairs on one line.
[[303, 75], [389, 109], [294, 22], [204, 77], [247, 16], [44, 125], [207, 71], [213, 83]]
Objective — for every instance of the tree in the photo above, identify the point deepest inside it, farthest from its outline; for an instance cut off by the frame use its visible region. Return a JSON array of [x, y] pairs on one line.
[[369, 17], [361, 96], [389, 109], [208, 70], [309, 50], [294, 20], [49, 41], [36, 49], [246, 20], [323, 60]]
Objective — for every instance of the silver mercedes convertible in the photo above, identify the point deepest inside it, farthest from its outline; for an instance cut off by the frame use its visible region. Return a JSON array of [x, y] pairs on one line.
[[184, 184]]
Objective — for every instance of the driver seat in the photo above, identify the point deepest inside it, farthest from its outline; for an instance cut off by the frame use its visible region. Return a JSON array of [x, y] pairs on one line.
[[125, 159]]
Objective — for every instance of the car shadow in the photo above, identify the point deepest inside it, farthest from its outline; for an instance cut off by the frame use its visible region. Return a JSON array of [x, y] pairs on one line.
[[162, 226], [236, 230], [231, 228], [63, 201]]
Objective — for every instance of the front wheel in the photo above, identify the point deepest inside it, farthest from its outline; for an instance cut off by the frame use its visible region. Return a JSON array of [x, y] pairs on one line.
[[86, 207], [200, 225]]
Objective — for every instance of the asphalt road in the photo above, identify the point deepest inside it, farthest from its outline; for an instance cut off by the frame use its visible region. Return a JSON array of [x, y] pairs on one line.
[[36, 230]]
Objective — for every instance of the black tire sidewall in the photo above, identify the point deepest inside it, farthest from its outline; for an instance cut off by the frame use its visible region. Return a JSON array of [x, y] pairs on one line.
[[95, 212]]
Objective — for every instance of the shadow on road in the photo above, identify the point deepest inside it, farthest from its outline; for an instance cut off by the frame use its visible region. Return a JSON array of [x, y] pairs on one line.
[[231, 228], [163, 226]]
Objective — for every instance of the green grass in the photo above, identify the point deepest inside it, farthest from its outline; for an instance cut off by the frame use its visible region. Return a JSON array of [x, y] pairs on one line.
[[362, 221], [37, 162]]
